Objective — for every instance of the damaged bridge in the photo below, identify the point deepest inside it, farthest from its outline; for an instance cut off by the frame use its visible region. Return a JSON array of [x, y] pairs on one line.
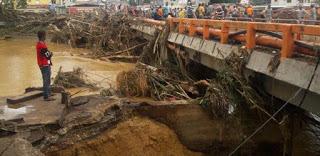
[[283, 57]]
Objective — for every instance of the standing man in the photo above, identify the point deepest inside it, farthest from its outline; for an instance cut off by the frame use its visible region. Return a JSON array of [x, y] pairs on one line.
[[301, 14], [313, 15], [190, 13], [268, 13], [44, 62], [52, 7], [166, 10], [235, 11], [250, 11], [160, 12], [201, 11]]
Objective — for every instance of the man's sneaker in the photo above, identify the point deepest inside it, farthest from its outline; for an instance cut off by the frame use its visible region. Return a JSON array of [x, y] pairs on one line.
[[49, 99]]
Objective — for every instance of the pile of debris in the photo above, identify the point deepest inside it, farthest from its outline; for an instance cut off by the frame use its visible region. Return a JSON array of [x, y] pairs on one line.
[[72, 79], [107, 34], [158, 83]]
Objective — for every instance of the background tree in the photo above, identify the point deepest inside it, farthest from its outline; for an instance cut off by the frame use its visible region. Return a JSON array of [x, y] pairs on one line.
[[22, 4], [7, 4]]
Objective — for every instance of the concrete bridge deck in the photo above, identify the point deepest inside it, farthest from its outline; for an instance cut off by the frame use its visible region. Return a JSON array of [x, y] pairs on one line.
[[297, 66]]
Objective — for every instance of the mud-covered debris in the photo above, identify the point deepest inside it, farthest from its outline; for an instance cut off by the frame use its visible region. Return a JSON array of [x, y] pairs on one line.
[[80, 100], [90, 112], [108, 92], [72, 79]]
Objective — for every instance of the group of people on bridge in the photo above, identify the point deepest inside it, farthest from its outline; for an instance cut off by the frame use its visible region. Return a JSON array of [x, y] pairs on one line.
[[221, 12]]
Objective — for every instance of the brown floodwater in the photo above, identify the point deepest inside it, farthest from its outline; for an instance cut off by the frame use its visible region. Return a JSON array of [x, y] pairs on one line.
[[19, 69]]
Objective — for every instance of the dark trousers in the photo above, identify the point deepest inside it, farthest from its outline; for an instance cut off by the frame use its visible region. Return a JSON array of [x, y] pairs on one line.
[[46, 75]]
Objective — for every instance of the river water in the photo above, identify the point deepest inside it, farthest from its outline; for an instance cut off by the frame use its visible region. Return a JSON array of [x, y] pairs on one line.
[[19, 69]]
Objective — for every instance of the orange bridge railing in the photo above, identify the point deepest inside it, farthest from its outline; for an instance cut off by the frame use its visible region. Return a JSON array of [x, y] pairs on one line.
[[279, 35]]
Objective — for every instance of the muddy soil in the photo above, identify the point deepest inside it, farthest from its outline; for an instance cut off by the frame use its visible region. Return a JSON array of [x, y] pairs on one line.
[[136, 136]]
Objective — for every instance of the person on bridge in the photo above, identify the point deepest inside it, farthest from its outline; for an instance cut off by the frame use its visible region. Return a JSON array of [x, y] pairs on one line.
[[235, 11], [249, 11], [166, 10], [225, 10], [182, 13], [160, 12], [52, 6], [200, 11], [44, 63], [190, 13], [301, 14], [268, 13], [313, 13], [219, 14]]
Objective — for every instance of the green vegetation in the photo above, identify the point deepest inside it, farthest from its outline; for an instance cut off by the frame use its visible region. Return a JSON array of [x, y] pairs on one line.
[[22, 4]]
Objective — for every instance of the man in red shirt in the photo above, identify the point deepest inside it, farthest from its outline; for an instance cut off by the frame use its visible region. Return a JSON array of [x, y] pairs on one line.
[[44, 62]]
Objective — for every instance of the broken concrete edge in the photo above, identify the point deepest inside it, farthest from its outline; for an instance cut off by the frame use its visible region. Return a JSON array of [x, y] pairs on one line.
[[24, 97], [35, 92]]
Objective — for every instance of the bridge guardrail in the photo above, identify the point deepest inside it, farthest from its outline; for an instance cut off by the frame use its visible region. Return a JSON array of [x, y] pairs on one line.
[[282, 35]]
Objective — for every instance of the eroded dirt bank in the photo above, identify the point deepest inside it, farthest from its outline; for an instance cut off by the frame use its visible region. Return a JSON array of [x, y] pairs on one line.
[[135, 136]]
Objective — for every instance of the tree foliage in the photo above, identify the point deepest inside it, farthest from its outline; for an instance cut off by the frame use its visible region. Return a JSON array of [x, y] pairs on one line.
[[22, 4], [9, 4]]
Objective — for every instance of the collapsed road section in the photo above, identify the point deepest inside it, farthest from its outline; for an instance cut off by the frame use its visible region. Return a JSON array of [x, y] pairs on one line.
[[180, 96]]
